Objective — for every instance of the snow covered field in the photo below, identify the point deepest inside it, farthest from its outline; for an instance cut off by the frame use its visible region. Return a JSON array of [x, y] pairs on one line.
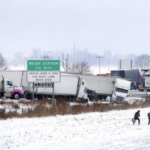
[[91, 131]]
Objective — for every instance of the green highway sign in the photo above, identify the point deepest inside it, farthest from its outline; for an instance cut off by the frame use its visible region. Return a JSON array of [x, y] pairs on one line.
[[43, 65]]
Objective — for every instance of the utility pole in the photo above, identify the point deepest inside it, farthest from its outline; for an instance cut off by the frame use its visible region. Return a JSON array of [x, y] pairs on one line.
[[108, 66], [45, 57], [99, 57], [74, 54]]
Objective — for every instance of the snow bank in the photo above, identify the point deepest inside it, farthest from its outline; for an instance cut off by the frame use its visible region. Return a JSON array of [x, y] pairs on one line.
[[132, 100]]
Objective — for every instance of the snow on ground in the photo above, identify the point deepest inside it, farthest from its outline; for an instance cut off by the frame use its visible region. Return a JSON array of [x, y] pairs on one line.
[[10, 107], [111, 130], [103, 69], [131, 100]]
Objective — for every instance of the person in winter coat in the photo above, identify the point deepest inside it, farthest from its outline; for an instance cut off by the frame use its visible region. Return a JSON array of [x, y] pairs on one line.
[[148, 118], [136, 116]]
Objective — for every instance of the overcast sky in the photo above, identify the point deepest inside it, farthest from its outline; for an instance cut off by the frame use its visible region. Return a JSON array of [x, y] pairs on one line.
[[120, 25]]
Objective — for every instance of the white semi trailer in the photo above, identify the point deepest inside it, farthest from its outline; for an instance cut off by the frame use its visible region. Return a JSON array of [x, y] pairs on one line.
[[73, 87], [117, 88]]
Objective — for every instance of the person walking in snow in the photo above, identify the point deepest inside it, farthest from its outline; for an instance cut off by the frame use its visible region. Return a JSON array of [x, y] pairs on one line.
[[148, 118], [136, 117]]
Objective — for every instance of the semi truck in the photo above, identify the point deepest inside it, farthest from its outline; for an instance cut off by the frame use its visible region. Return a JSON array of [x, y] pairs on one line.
[[73, 86], [7, 89], [141, 82], [117, 88], [137, 77], [14, 85], [131, 74], [121, 90]]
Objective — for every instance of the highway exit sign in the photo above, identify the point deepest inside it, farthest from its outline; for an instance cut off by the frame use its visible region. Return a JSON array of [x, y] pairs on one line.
[[43, 65]]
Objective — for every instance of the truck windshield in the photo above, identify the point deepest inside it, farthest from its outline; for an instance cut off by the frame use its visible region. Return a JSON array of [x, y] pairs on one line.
[[142, 80], [121, 90], [9, 83], [85, 90]]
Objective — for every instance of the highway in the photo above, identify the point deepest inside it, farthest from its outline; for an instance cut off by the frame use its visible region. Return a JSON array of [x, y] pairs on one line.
[[137, 93]]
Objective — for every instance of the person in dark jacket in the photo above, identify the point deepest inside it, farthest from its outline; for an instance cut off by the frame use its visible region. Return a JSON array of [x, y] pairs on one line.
[[136, 116]]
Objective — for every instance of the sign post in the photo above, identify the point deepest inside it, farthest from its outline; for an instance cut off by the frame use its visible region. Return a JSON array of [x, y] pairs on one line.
[[53, 100], [43, 71], [33, 94]]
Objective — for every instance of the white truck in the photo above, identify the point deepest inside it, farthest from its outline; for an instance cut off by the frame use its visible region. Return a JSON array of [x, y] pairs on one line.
[[72, 87], [121, 90], [7, 89], [117, 88]]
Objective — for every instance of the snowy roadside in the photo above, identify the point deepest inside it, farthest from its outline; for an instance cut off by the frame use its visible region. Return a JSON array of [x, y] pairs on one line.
[[10, 105], [131, 100], [91, 131]]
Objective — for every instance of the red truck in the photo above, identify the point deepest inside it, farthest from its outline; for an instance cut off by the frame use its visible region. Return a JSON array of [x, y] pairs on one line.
[[141, 82]]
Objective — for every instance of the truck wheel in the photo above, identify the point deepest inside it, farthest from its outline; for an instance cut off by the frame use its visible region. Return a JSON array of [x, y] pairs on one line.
[[16, 96]]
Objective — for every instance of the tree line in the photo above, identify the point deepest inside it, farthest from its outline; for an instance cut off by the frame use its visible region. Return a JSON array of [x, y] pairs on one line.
[[69, 63]]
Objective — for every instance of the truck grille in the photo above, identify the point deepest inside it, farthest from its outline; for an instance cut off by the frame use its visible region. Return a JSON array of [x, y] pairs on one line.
[[119, 99]]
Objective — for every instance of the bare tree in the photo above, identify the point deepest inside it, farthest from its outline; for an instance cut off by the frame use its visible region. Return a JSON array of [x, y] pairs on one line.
[[64, 60], [49, 54], [35, 54], [2, 62], [81, 67], [19, 59], [46, 57], [142, 61]]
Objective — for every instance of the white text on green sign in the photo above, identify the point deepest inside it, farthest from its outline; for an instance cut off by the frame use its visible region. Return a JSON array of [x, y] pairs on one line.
[[43, 65]]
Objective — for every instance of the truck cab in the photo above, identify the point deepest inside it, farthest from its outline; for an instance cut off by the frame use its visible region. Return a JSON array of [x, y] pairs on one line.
[[82, 90], [121, 90], [7, 89]]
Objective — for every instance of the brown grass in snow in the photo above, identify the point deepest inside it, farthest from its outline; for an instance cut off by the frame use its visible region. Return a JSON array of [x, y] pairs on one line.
[[43, 108]]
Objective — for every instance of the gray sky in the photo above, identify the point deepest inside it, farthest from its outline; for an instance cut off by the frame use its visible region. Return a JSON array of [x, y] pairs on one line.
[[120, 25]]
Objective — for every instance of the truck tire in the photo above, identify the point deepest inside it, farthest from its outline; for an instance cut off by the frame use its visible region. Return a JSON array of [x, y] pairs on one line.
[[16, 96]]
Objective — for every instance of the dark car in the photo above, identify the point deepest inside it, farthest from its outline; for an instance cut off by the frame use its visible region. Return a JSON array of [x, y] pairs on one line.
[[133, 86], [91, 95]]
